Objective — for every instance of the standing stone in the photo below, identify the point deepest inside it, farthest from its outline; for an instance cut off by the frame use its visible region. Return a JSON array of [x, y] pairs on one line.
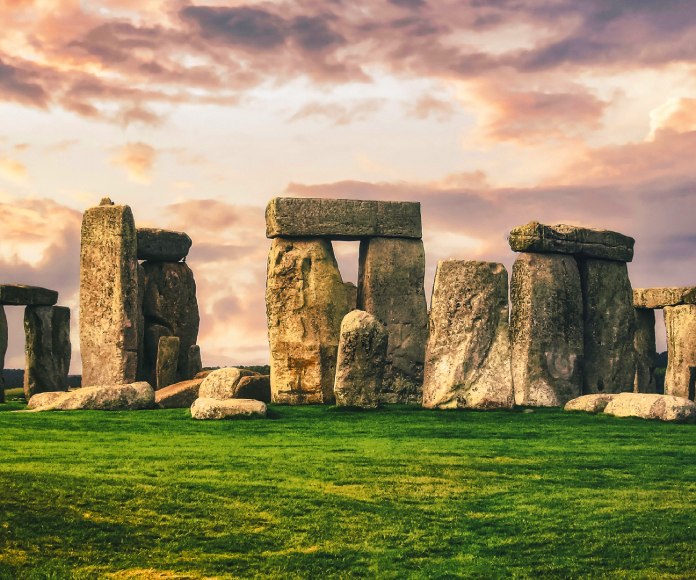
[[3, 351], [467, 361], [610, 325], [390, 287], [167, 361], [351, 295], [153, 334], [680, 378], [109, 313], [195, 363], [170, 301], [645, 351], [362, 353], [48, 351], [546, 330], [141, 325], [305, 303]]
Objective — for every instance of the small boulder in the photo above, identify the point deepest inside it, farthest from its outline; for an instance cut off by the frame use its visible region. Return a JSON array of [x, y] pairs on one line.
[[254, 387], [43, 399], [178, 396], [589, 403], [223, 383], [102, 398], [207, 408], [649, 406]]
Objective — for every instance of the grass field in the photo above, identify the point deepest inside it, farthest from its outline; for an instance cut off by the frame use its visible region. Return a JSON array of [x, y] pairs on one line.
[[318, 492]]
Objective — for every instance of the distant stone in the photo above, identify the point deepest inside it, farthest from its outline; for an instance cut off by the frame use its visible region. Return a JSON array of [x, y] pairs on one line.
[[167, 361], [351, 295], [98, 398], [157, 245], [645, 351], [204, 373], [3, 351], [362, 353], [223, 383], [179, 395], [206, 408], [657, 298], [256, 387], [106, 201], [467, 362], [342, 219], [589, 403], [577, 241], [680, 378], [649, 406], [153, 333], [195, 364], [20, 295], [48, 351]]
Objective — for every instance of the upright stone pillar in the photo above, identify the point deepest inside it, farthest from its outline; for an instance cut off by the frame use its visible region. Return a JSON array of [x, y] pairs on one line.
[[546, 329], [48, 349], [681, 350], [609, 319], [167, 361], [390, 287], [305, 304], [645, 351], [467, 362], [3, 351], [109, 313]]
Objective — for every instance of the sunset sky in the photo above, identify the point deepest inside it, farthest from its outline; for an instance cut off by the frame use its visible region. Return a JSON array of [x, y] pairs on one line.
[[490, 113]]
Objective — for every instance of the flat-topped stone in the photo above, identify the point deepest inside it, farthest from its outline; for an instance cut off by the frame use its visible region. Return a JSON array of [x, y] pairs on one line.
[[21, 295], [342, 219], [564, 239], [158, 245], [656, 298]]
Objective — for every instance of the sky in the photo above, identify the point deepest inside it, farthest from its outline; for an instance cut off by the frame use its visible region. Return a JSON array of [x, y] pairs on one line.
[[490, 113]]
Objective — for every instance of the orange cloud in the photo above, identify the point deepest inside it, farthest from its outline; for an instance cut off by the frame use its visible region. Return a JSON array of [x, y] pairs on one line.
[[137, 159]]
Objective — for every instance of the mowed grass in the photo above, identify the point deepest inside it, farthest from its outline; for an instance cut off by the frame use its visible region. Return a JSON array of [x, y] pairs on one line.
[[316, 492]]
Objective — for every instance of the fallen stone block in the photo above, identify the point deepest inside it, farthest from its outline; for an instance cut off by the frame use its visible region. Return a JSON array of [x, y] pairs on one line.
[[564, 239], [48, 349], [130, 397], [256, 387], [178, 396], [590, 403], [650, 406], [205, 408], [20, 295], [342, 219], [223, 383], [658, 298], [158, 245]]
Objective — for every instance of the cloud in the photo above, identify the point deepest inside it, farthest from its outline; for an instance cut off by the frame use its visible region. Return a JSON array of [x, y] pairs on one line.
[[337, 113], [21, 86], [677, 114], [12, 169], [138, 159]]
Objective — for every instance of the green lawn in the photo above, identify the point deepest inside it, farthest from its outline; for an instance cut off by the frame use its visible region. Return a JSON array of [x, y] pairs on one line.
[[317, 492]]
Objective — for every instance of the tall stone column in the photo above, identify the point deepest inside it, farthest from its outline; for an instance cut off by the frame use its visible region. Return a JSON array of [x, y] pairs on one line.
[[306, 301], [546, 329], [109, 313], [390, 287], [681, 350], [3, 351], [609, 319], [48, 349], [646, 351]]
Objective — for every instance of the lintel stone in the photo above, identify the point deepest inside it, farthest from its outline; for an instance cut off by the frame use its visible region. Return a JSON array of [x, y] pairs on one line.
[[159, 245], [20, 295], [658, 298]]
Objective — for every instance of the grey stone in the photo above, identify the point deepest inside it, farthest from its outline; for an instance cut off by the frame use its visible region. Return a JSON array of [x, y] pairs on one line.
[[3, 351], [342, 219], [590, 403], [565, 239], [170, 301], [390, 287], [610, 325], [195, 364], [109, 299], [680, 379], [650, 406], [141, 373], [48, 350], [256, 387], [167, 361], [547, 330], [657, 298], [362, 357], [98, 398], [158, 245], [153, 334], [204, 408], [645, 351], [305, 303], [223, 383], [351, 295], [179, 395], [467, 361], [20, 295]]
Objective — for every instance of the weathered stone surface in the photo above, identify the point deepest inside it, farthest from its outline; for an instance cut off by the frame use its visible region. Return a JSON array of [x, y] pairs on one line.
[[390, 287], [256, 387], [167, 361], [546, 329], [204, 373], [657, 298], [195, 363], [467, 361], [205, 408], [645, 351], [590, 403], [362, 358], [610, 325], [43, 399], [20, 295], [650, 406], [305, 303], [3, 351], [351, 295], [140, 372], [170, 301], [223, 383], [153, 334], [99, 398], [179, 395], [158, 245], [109, 313], [565, 239], [680, 379], [342, 219], [48, 352]]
